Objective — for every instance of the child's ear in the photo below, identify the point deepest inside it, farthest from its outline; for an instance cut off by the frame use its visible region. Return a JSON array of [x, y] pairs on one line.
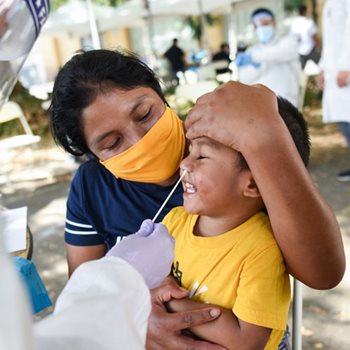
[[251, 189]]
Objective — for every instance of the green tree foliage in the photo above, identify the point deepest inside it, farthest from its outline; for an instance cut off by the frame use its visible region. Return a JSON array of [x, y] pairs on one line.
[[194, 22], [293, 5]]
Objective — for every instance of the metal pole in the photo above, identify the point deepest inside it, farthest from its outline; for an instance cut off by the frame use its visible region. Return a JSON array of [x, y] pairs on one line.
[[297, 315], [150, 33], [203, 24], [96, 43]]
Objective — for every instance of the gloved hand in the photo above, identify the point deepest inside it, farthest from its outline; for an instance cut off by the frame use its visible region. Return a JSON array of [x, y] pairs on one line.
[[150, 251], [245, 59]]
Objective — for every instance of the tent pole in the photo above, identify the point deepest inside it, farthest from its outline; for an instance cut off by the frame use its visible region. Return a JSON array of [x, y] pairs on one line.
[[150, 30], [203, 23], [96, 43]]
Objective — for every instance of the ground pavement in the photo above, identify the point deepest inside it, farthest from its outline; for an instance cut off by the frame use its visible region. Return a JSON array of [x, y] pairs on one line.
[[326, 314]]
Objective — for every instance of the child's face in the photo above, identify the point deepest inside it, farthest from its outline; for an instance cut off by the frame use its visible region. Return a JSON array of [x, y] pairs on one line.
[[213, 185]]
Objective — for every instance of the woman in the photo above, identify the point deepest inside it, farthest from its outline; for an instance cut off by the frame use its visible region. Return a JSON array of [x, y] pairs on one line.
[[110, 105]]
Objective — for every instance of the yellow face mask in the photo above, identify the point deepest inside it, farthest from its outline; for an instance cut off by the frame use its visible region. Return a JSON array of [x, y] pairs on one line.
[[156, 157]]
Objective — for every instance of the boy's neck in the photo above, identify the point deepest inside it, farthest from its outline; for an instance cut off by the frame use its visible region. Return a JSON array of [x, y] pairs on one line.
[[207, 226]]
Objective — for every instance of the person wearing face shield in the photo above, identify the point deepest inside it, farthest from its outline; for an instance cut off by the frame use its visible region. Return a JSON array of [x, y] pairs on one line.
[[273, 61]]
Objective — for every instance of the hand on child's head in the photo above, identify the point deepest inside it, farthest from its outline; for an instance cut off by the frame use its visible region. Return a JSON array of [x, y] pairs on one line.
[[232, 114]]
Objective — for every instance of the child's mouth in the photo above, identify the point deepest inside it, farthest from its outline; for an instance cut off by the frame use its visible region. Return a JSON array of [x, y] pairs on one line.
[[189, 188]]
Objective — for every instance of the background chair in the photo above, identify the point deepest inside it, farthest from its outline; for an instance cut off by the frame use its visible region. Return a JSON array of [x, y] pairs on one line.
[[190, 92], [297, 317], [11, 111], [8, 146]]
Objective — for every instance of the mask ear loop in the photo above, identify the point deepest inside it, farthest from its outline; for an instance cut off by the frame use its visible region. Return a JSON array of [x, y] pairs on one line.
[[169, 195]]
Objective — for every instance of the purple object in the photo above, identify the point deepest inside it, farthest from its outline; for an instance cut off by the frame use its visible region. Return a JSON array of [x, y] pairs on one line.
[[150, 251]]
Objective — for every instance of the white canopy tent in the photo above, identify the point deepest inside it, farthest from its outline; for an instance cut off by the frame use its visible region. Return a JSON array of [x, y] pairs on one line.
[[74, 18], [178, 7]]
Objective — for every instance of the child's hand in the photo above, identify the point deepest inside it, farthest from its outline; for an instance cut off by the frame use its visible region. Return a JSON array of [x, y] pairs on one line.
[[150, 251]]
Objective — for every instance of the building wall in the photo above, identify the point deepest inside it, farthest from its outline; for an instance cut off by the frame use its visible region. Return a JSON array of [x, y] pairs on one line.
[[117, 38]]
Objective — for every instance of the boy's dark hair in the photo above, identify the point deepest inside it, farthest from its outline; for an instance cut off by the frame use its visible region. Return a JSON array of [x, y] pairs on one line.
[[297, 127], [262, 10], [81, 80]]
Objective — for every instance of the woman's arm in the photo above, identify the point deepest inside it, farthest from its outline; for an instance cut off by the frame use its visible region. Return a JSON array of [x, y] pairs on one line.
[[246, 118], [77, 255], [227, 330]]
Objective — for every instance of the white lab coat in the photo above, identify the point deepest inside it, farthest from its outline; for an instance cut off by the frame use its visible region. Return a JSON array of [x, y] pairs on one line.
[[304, 29], [280, 67], [335, 57], [105, 305]]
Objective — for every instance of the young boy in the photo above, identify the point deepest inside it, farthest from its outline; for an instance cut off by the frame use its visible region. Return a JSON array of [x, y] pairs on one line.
[[225, 252]]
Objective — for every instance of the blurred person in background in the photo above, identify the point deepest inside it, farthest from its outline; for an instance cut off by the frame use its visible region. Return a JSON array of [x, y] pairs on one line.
[[335, 65], [305, 30], [177, 60], [273, 61], [222, 55]]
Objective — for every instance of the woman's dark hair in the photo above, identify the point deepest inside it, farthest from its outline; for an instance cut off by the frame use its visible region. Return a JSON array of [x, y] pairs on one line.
[[81, 80]]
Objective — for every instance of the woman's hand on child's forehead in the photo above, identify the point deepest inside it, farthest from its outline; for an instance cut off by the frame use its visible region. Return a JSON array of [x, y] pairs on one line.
[[228, 115]]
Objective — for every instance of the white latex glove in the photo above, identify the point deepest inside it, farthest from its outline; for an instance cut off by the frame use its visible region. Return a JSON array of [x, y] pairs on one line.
[[150, 251]]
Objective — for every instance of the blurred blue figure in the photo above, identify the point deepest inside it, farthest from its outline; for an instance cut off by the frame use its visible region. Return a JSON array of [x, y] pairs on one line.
[[273, 61], [245, 59]]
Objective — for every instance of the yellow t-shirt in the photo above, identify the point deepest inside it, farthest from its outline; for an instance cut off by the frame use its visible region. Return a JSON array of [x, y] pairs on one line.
[[241, 269]]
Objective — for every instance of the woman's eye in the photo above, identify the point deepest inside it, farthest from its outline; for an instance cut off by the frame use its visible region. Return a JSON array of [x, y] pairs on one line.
[[201, 157], [113, 145], [146, 116]]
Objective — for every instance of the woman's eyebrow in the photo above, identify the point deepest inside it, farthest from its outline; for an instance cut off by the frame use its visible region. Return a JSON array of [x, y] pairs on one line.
[[137, 103]]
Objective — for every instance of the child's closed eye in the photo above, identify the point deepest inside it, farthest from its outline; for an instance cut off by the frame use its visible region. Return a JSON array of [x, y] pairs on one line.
[[201, 157]]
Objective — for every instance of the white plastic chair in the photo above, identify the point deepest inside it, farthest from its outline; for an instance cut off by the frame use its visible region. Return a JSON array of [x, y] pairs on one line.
[[190, 92], [303, 79], [297, 315], [11, 111], [10, 146]]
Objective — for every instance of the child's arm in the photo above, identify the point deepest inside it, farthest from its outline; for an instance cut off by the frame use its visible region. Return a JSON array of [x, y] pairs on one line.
[[227, 330]]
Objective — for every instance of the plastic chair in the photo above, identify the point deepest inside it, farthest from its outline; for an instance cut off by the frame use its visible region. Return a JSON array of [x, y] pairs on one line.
[[297, 315], [303, 79], [191, 92], [10, 145], [11, 111]]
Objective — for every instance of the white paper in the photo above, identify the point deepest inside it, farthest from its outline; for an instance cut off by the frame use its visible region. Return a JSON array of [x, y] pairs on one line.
[[14, 226]]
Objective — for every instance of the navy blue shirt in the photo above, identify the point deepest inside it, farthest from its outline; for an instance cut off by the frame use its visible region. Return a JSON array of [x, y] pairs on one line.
[[102, 209]]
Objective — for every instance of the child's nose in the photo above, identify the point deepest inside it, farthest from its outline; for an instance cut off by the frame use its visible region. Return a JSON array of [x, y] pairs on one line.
[[187, 165]]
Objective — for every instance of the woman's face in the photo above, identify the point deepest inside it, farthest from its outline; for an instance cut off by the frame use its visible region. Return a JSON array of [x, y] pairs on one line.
[[118, 119]]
